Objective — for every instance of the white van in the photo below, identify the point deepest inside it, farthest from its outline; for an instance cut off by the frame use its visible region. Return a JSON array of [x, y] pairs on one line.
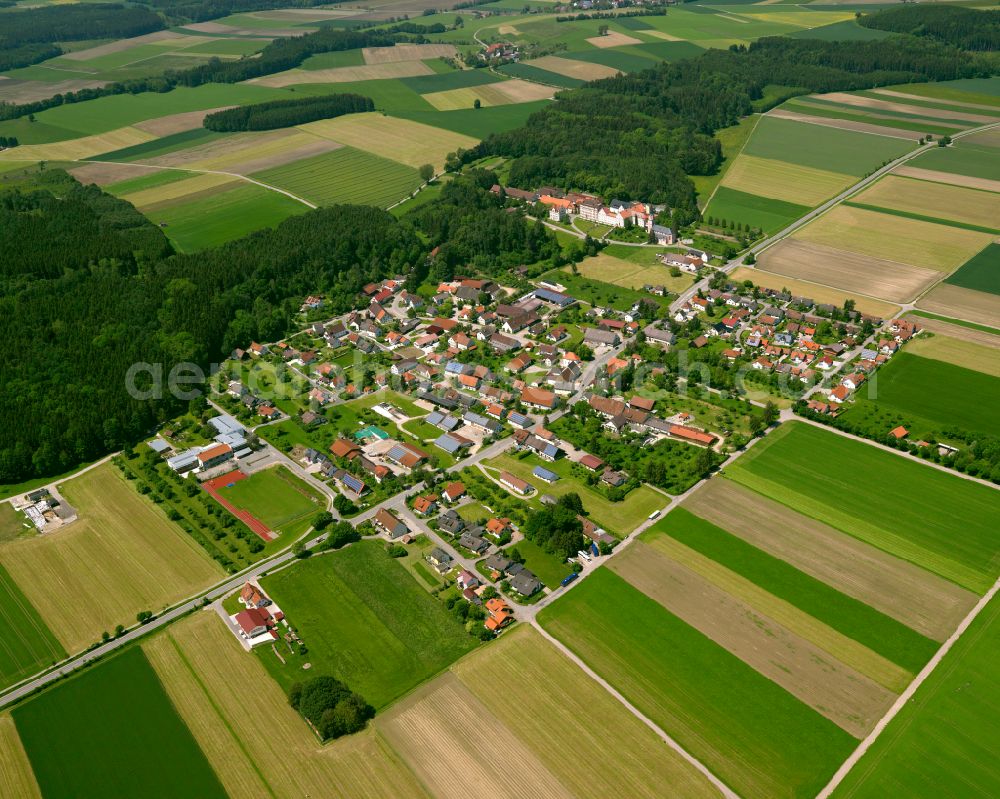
[[653, 515]]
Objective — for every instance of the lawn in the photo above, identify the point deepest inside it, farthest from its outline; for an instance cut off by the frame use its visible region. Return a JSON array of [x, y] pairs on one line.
[[345, 175], [981, 272], [943, 742], [757, 737], [365, 620], [28, 645], [112, 731], [275, 496], [547, 567], [596, 292], [853, 618], [765, 213], [933, 519]]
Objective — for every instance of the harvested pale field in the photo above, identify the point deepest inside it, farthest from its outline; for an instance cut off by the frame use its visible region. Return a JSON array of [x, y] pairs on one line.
[[919, 599], [122, 556], [579, 731], [127, 44], [232, 30], [583, 70], [394, 69], [15, 90], [613, 39], [179, 188], [962, 303], [780, 180], [502, 93], [522, 91], [958, 351], [177, 123], [246, 153], [663, 35], [836, 644], [815, 291], [78, 149], [428, 732], [894, 238], [985, 184], [956, 103], [849, 271], [843, 124], [17, 780], [227, 699], [971, 335], [986, 138], [104, 174], [411, 143], [972, 206], [846, 697], [407, 52], [915, 123], [508, 30], [917, 111]]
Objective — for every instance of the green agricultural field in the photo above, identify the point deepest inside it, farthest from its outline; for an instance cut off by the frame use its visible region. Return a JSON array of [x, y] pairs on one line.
[[666, 51], [162, 146], [478, 122], [936, 520], [391, 96], [846, 31], [275, 496], [757, 737], [761, 212], [981, 273], [880, 633], [626, 60], [972, 90], [821, 147], [342, 58], [112, 731], [150, 180], [962, 158], [456, 79], [943, 742], [27, 645], [209, 221], [905, 124], [539, 75], [344, 175], [365, 620]]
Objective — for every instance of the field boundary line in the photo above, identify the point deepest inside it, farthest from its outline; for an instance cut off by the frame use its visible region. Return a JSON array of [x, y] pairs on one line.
[[717, 783], [907, 695]]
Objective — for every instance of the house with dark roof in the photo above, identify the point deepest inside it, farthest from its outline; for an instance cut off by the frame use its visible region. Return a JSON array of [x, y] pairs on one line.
[[388, 523]]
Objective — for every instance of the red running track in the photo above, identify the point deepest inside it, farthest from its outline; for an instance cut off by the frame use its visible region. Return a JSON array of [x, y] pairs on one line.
[[212, 487]]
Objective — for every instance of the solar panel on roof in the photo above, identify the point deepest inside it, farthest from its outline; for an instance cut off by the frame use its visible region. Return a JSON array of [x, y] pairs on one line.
[[353, 483]]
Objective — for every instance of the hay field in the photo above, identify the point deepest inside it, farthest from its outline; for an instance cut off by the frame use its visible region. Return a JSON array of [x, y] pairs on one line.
[[523, 91], [226, 699], [919, 599], [122, 556], [980, 338], [819, 293], [962, 303], [78, 149], [411, 143], [17, 780], [784, 181], [296, 77], [918, 111], [918, 98], [245, 153], [951, 178], [583, 70], [178, 189], [939, 200], [845, 696], [894, 238], [575, 727], [613, 39], [849, 271], [426, 729], [502, 93], [842, 124], [407, 52]]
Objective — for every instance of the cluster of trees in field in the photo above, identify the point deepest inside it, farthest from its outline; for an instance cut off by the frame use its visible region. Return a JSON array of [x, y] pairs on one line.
[[88, 287], [968, 28], [29, 36], [285, 113], [637, 136], [557, 528], [330, 706]]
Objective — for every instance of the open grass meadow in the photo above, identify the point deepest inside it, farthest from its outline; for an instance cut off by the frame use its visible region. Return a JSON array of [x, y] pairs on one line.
[[275, 496], [112, 731], [27, 645], [770, 215], [933, 519], [883, 634], [477, 123], [943, 743], [757, 737], [120, 557], [981, 272], [345, 175], [365, 620]]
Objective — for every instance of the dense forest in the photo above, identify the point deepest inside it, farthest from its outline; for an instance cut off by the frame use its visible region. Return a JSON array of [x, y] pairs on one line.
[[88, 287], [968, 28], [285, 113], [636, 136]]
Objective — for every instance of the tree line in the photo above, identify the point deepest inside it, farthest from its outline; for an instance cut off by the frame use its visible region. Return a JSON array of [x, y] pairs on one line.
[[968, 28], [285, 113]]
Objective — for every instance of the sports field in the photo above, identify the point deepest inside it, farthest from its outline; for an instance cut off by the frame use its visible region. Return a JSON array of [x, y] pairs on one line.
[[345, 175], [275, 496], [112, 731], [938, 200], [27, 645], [981, 272], [752, 733], [931, 518], [366, 621], [122, 556]]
